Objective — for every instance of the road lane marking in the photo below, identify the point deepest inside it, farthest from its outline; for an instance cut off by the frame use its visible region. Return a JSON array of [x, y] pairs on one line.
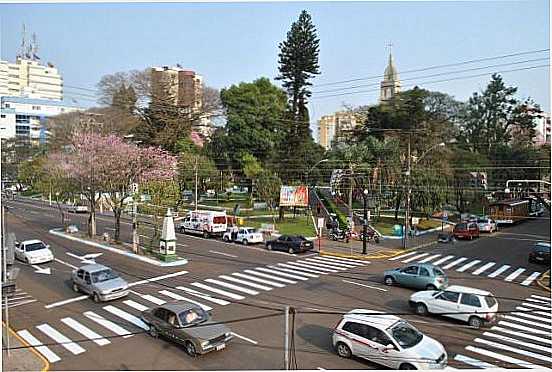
[[473, 362], [523, 328], [536, 306], [455, 262], [531, 316], [244, 338], [441, 260], [468, 265], [259, 280], [427, 259], [526, 321], [415, 257], [135, 305], [514, 275], [501, 357], [530, 278], [263, 275], [499, 271], [364, 285], [328, 259], [126, 316], [224, 254], [335, 262], [311, 265], [232, 286], [286, 275], [300, 267], [402, 256], [254, 285], [65, 263], [153, 299], [219, 291], [545, 314], [521, 334], [182, 298], [294, 272], [15, 304], [61, 339], [85, 331], [44, 350], [546, 349], [316, 264], [483, 268], [537, 301], [64, 302], [347, 259], [542, 298], [511, 349], [157, 278], [204, 296]]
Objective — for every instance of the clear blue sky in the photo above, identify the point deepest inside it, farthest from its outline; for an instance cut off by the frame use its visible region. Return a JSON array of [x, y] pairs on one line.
[[232, 42]]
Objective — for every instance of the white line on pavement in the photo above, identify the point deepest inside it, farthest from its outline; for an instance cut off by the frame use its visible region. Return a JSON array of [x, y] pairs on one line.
[[364, 285], [157, 278], [455, 262], [115, 328], [135, 305], [44, 350], [65, 263], [531, 316], [521, 334], [546, 349], [427, 259], [504, 358], [259, 280], [236, 280], [536, 306], [204, 296], [219, 291], [232, 286], [272, 277], [473, 362], [182, 298], [85, 331], [276, 272], [64, 302], [542, 298], [415, 257], [333, 263], [346, 263], [526, 321], [311, 269], [483, 268], [402, 256], [533, 311], [514, 275], [244, 338], [441, 260], [468, 265], [126, 316], [523, 328], [499, 271], [61, 339], [317, 264], [294, 272], [496, 345], [224, 254], [537, 301]]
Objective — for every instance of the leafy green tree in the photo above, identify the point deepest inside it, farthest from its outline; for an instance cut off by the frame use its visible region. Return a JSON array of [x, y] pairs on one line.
[[268, 187], [191, 164]]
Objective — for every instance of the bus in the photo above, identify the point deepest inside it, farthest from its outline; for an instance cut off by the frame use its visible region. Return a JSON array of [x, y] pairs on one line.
[[510, 211]]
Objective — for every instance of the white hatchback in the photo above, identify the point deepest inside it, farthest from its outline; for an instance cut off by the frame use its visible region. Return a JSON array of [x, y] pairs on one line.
[[474, 306], [387, 340]]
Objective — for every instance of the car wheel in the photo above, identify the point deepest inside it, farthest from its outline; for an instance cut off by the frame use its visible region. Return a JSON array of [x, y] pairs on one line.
[[269, 247], [431, 287], [27, 261], [182, 230], [96, 297], [291, 251], [475, 322], [75, 287], [153, 332], [407, 366], [190, 349], [389, 280], [421, 309], [225, 238], [343, 350], [205, 235], [245, 242]]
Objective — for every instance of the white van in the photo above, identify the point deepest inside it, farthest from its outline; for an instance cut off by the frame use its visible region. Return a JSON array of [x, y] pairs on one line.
[[206, 223]]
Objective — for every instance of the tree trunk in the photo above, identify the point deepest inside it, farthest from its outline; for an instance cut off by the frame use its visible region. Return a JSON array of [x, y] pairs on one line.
[[92, 223], [117, 215]]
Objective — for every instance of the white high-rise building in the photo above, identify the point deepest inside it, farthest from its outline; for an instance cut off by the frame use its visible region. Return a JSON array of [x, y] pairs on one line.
[[28, 78]]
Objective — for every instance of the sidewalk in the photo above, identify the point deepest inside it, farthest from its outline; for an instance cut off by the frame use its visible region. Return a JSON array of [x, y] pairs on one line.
[[25, 359]]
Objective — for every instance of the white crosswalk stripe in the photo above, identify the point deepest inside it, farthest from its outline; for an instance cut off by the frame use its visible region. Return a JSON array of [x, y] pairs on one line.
[[276, 272], [526, 321], [232, 286], [542, 298], [115, 328], [352, 260], [153, 299], [499, 271], [126, 316], [514, 275], [295, 272], [530, 278], [468, 265], [441, 260], [521, 334], [135, 305], [272, 277], [313, 262], [532, 316], [402, 256], [455, 262], [483, 268], [339, 259], [523, 328], [310, 269], [473, 362], [182, 298], [537, 301], [427, 259], [543, 313], [244, 282], [44, 350], [337, 262], [546, 349], [536, 306], [204, 296], [504, 358], [218, 291], [415, 257], [85, 331], [259, 280], [61, 339], [497, 345]]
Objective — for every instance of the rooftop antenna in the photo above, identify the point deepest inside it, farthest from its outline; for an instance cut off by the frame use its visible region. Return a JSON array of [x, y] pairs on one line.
[[390, 46], [34, 48], [23, 43]]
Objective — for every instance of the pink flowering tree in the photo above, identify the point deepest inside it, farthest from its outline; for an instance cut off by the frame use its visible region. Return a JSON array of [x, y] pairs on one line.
[[107, 165]]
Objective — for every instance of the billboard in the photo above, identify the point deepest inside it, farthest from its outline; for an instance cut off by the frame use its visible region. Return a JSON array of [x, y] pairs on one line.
[[294, 196]]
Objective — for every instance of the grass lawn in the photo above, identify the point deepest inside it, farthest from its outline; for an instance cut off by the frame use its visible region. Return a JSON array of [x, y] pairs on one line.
[[385, 225], [384, 228], [300, 225]]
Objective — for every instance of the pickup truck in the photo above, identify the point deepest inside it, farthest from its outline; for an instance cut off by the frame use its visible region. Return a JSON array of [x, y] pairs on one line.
[[33, 252], [245, 235]]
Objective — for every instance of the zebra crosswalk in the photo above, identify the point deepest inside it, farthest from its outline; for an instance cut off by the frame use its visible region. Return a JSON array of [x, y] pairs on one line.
[[71, 336], [473, 266]]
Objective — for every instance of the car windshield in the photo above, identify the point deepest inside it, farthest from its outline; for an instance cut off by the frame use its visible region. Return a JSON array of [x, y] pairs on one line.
[[251, 231], [461, 226], [438, 272], [193, 316], [34, 247], [406, 335], [103, 275], [490, 300], [482, 220], [542, 248]]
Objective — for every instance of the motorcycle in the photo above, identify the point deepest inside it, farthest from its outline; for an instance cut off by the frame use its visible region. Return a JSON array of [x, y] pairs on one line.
[[338, 234], [370, 236]]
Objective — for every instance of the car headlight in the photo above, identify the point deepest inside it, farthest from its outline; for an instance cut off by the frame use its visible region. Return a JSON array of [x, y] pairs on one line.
[[204, 344], [227, 334]]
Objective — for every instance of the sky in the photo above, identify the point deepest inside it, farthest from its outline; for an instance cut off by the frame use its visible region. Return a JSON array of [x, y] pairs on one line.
[[229, 43]]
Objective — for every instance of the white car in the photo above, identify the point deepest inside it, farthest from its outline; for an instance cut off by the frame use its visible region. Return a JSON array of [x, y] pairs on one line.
[[33, 252], [474, 306], [78, 209], [387, 340], [245, 235], [486, 225]]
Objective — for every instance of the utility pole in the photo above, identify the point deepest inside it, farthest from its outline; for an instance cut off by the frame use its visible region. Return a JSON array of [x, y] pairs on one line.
[[286, 338], [408, 191], [135, 241], [4, 252], [196, 183], [365, 221]]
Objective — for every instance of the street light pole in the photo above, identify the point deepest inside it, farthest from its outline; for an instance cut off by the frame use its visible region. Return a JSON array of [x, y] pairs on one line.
[[408, 191], [365, 222]]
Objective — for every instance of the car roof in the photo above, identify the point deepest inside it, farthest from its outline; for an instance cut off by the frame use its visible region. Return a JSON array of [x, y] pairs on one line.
[[93, 267], [543, 244], [462, 289], [180, 306], [363, 315], [33, 241]]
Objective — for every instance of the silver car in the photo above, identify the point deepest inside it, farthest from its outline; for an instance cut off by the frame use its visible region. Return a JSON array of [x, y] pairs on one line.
[[418, 275], [100, 282]]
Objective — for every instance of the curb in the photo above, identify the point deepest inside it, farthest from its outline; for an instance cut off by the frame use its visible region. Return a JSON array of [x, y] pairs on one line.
[[134, 256], [25, 343], [343, 255], [544, 286]]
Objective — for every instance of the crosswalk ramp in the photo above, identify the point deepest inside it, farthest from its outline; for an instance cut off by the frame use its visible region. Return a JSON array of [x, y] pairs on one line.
[[72, 336], [472, 266], [520, 339]]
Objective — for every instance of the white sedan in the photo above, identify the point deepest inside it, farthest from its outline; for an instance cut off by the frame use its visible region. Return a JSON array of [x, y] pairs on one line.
[[33, 252], [245, 235], [486, 225]]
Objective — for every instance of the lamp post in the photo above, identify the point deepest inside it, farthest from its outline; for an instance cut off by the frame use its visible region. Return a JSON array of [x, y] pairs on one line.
[[311, 169], [364, 222]]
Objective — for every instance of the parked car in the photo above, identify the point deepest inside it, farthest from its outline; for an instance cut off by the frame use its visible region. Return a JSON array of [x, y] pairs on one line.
[[419, 275], [468, 230], [78, 209], [33, 252], [540, 253], [445, 238], [387, 340], [474, 306], [72, 229], [486, 225], [290, 243], [100, 282], [177, 321], [205, 223], [245, 235]]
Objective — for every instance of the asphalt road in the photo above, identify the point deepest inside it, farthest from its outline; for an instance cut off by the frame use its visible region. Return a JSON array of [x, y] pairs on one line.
[[264, 282]]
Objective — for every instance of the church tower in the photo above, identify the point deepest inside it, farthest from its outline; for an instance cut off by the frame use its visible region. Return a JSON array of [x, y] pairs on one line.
[[390, 85]]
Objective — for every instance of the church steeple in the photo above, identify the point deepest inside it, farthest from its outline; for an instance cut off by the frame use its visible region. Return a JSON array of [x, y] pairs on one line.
[[391, 85]]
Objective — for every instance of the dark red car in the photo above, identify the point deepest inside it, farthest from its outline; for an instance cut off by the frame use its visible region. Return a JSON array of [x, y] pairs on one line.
[[468, 230]]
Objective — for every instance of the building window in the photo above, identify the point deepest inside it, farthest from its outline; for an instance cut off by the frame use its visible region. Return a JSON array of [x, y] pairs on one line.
[[6, 105], [36, 107], [62, 109]]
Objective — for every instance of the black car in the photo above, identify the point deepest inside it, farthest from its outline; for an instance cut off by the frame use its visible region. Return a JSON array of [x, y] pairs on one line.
[[540, 253], [290, 244]]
